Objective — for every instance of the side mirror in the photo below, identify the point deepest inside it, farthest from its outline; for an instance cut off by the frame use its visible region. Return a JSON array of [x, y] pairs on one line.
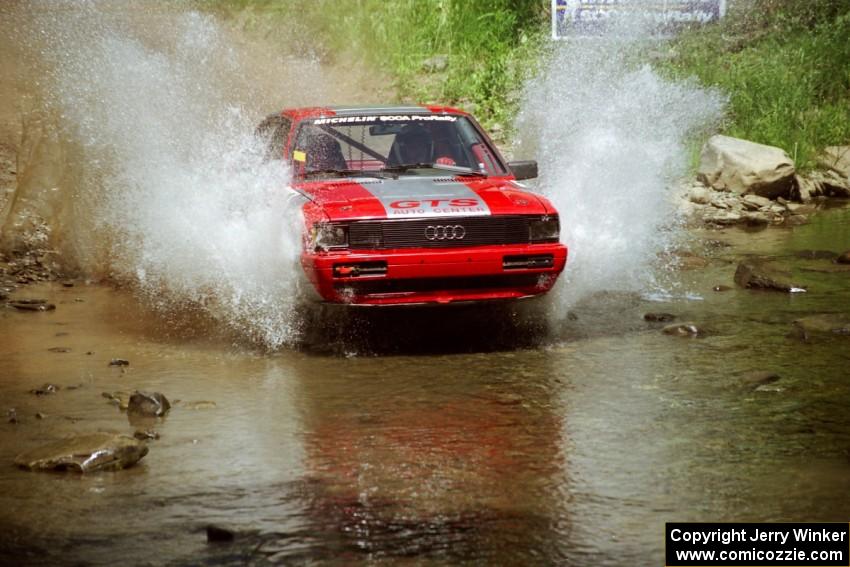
[[526, 169]]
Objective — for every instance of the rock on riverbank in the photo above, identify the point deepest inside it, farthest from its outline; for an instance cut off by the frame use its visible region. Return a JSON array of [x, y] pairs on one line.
[[741, 182]]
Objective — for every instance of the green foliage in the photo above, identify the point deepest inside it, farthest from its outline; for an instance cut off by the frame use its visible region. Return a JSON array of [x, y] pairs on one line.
[[488, 46], [786, 67], [784, 63]]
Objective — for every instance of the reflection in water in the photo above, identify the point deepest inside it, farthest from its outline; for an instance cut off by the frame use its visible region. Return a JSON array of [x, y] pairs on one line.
[[418, 463]]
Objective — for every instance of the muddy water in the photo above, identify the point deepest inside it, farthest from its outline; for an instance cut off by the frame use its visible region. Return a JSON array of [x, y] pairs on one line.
[[568, 443]]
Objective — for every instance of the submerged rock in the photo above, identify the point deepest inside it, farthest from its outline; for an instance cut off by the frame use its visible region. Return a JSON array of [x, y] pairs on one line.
[[86, 453], [796, 220], [823, 325], [755, 274], [148, 404], [145, 434], [843, 258], [32, 305], [691, 262], [721, 288], [659, 317], [755, 380], [45, 389], [682, 330], [815, 255], [119, 362], [119, 398], [219, 534]]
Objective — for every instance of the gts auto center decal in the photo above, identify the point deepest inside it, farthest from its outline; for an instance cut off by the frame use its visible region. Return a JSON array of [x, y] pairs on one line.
[[423, 197], [386, 118]]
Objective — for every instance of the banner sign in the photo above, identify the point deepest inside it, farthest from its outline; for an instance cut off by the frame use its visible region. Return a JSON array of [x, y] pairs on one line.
[[571, 18]]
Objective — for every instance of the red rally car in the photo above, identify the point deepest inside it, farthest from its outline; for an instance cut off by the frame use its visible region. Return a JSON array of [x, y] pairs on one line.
[[412, 205]]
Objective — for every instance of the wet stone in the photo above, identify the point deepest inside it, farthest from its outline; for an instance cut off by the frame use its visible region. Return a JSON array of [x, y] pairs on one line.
[[682, 330], [45, 389], [755, 274], [659, 317], [218, 534], [85, 453], [32, 305], [843, 258], [40, 415], [119, 362], [67, 284], [145, 434], [148, 404]]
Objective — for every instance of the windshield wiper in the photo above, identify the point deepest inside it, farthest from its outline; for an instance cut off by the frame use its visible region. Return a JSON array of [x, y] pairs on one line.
[[345, 173], [453, 168]]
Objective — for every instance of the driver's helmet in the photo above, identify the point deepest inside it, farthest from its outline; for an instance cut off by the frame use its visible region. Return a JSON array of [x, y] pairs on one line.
[[414, 145], [323, 153]]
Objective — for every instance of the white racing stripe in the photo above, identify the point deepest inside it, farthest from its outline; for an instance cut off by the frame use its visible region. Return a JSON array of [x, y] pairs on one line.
[[412, 197]]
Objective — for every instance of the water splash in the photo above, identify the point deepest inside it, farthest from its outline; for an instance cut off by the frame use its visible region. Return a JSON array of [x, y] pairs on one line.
[[611, 139], [178, 193]]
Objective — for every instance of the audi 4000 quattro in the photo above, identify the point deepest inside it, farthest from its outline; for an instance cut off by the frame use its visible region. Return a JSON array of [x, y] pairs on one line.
[[407, 205]]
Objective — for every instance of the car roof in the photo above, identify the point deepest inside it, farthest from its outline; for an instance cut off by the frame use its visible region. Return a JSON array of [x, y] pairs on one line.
[[351, 110]]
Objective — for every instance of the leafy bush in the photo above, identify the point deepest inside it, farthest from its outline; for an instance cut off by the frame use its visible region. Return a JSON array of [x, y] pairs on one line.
[[786, 67]]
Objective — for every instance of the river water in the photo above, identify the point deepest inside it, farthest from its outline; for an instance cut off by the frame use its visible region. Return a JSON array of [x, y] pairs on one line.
[[516, 443]]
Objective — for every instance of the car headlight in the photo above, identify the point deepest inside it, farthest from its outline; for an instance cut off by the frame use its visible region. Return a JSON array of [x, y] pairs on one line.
[[544, 229], [329, 235]]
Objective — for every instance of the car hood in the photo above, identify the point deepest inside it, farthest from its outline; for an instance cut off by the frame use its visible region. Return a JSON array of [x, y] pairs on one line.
[[416, 197]]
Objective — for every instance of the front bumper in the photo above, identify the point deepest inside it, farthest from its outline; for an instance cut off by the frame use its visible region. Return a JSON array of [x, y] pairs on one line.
[[413, 276]]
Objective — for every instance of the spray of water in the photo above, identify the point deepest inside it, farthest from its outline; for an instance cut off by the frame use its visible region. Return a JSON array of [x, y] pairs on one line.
[[611, 139], [174, 178]]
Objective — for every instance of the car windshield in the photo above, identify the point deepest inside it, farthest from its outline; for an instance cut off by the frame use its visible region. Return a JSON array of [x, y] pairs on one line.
[[393, 145]]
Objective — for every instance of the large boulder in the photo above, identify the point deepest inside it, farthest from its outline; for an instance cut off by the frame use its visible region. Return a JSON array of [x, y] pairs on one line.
[[740, 166], [837, 159], [86, 453]]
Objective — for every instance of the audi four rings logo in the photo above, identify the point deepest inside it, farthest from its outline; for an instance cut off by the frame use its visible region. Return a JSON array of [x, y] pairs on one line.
[[445, 232]]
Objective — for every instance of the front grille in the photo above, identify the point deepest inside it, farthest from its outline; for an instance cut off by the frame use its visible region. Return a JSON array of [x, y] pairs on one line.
[[410, 233]]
